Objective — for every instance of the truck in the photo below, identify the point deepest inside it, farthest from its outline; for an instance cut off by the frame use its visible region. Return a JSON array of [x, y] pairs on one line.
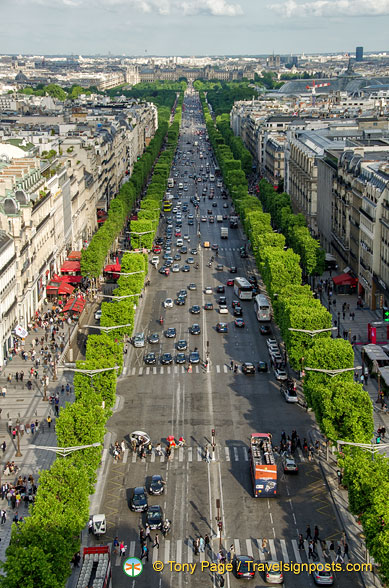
[[233, 222], [224, 232], [96, 567], [262, 465], [219, 218]]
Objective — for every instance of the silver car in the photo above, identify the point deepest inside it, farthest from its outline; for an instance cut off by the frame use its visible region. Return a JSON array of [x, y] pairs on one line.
[[139, 340], [273, 574]]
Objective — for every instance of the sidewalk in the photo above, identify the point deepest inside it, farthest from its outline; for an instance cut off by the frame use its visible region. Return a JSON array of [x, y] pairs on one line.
[[352, 531]]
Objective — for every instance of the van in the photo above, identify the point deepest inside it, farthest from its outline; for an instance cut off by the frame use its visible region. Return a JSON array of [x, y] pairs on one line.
[[139, 340]]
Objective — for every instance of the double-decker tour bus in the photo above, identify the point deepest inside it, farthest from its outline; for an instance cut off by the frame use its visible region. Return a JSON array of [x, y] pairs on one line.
[[262, 465]]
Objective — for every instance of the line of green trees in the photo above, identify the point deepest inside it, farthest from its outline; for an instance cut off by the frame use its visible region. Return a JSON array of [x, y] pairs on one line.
[[42, 547], [342, 407], [222, 95]]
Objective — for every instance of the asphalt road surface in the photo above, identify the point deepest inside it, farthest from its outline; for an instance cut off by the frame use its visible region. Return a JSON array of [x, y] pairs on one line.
[[167, 400]]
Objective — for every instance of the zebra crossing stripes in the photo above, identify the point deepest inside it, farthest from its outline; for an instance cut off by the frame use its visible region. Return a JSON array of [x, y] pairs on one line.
[[182, 550], [176, 370]]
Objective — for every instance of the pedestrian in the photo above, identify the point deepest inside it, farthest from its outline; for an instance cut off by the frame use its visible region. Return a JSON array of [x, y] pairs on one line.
[[32, 426], [67, 389], [230, 554], [231, 365], [77, 559], [264, 545], [339, 558], [3, 446], [21, 429], [90, 526], [49, 421], [116, 545], [207, 540], [339, 474], [3, 516], [196, 545], [17, 376], [202, 543], [156, 541], [122, 548], [301, 541], [308, 533], [148, 533], [316, 533], [21, 375], [3, 391], [345, 551], [310, 550], [145, 552]]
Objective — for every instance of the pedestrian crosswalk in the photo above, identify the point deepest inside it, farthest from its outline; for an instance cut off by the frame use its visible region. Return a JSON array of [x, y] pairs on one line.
[[228, 453], [178, 369], [285, 550]]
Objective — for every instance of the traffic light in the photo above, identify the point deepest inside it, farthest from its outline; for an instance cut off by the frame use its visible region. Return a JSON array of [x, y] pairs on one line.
[[385, 314]]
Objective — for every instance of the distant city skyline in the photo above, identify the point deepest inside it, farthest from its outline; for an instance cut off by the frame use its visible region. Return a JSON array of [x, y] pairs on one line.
[[193, 27]]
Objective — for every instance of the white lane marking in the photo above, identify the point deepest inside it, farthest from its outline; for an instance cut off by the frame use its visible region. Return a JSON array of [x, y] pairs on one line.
[[237, 546], [285, 556], [199, 454], [133, 457], [176, 369], [168, 369], [180, 453], [218, 369], [179, 551], [131, 551], [154, 370], [236, 455], [246, 454], [161, 370], [227, 450], [167, 550], [190, 453], [249, 547], [152, 456], [296, 551], [225, 369], [125, 456], [124, 370], [147, 371], [262, 556], [190, 551], [273, 552], [133, 371]]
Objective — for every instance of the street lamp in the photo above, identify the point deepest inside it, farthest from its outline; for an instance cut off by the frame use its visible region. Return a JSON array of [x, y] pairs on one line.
[[123, 273], [338, 324], [105, 328], [333, 373], [312, 333], [373, 448], [64, 451], [46, 383], [119, 297], [90, 373]]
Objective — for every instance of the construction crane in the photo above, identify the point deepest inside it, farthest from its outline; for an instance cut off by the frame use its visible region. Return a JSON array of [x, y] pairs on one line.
[[313, 89]]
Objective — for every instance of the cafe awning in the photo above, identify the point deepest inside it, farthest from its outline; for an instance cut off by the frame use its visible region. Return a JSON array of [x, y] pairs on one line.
[[74, 256], [71, 266], [65, 288], [70, 279], [344, 280], [74, 305]]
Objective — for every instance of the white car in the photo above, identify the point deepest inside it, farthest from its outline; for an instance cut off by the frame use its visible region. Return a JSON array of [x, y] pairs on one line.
[[98, 314], [154, 260], [223, 309], [179, 242], [280, 374], [168, 303], [271, 343], [207, 290], [290, 395], [176, 267], [186, 238]]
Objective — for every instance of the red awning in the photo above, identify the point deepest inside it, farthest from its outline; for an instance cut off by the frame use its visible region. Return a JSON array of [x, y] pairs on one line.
[[345, 280], [65, 288], [74, 305], [71, 266], [53, 286], [112, 268], [74, 256], [70, 279]]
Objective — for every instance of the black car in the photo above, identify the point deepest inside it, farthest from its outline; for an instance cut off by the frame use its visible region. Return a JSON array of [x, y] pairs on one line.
[[166, 358], [238, 311], [243, 254], [262, 366], [248, 367], [181, 345], [208, 306], [195, 329], [235, 303], [184, 249], [222, 300], [170, 333], [214, 204], [150, 359], [154, 338], [264, 330], [233, 269], [157, 485], [194, 357], [185, 268], [222, 328], [164, 270], [239, 323], [180, 300], [195, 309], [220, 290], [243, 566], [154, 517], [180, 358], [138, 501]]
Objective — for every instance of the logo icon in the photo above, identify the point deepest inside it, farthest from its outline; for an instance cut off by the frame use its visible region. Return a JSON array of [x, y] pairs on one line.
[[133, 567]]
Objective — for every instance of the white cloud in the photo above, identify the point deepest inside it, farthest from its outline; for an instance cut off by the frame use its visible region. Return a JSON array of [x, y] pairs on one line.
[[332, 8]]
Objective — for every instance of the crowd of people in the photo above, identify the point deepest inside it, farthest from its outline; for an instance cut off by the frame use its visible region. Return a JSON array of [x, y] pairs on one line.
[[23, 491]]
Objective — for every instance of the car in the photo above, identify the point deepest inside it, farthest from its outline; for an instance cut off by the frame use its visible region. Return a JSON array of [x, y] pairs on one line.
[[223, 309], [289, 394], [265, 330], [235, 303], [233, 269], [98, 314], [214, 246], [323, 577], [181, 345], [222, 328], [262, 366], [208, 306], [168, 303], [170, 333], [185, 268], [138, 501], [187, 238], [192, 286], [203, 219], [194, 251], [248, 367], [177, 257], [190, 260], [220, 290], [180, 301], [157, 485], [271, 343], [176, 268], [230, 282], [184, 250], [139, 340], [238, 311], [273, 573], [222, 300], [289, 465], [178, 233], [157, 249], [154, 517], [166, 358], [180, 358], [182, 292], [195, 329], [243, 254], [195, 309], [211, 219], [280, 374], [190, 216], [207, 290], [214, 204], [194, 357], [164, 270], [243, 566], [168, 263], [191, 222], [153, 338], [150, 359], [167, 257], [158, 241], [239, 323]]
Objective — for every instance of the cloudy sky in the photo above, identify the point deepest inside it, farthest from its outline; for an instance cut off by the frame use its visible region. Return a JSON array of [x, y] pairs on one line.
[[192, 27]]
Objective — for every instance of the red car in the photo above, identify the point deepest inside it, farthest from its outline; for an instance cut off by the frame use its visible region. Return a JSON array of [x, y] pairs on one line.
[[157, 249], [178, 233], [230, 282]]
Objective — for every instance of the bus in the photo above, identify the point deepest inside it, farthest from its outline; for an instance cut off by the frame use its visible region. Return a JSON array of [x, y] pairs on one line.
[[243, 289], [262, 308], [167, 206]]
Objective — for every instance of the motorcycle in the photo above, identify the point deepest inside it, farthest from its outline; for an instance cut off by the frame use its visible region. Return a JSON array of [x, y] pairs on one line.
[[161, 320], [166, 527]]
